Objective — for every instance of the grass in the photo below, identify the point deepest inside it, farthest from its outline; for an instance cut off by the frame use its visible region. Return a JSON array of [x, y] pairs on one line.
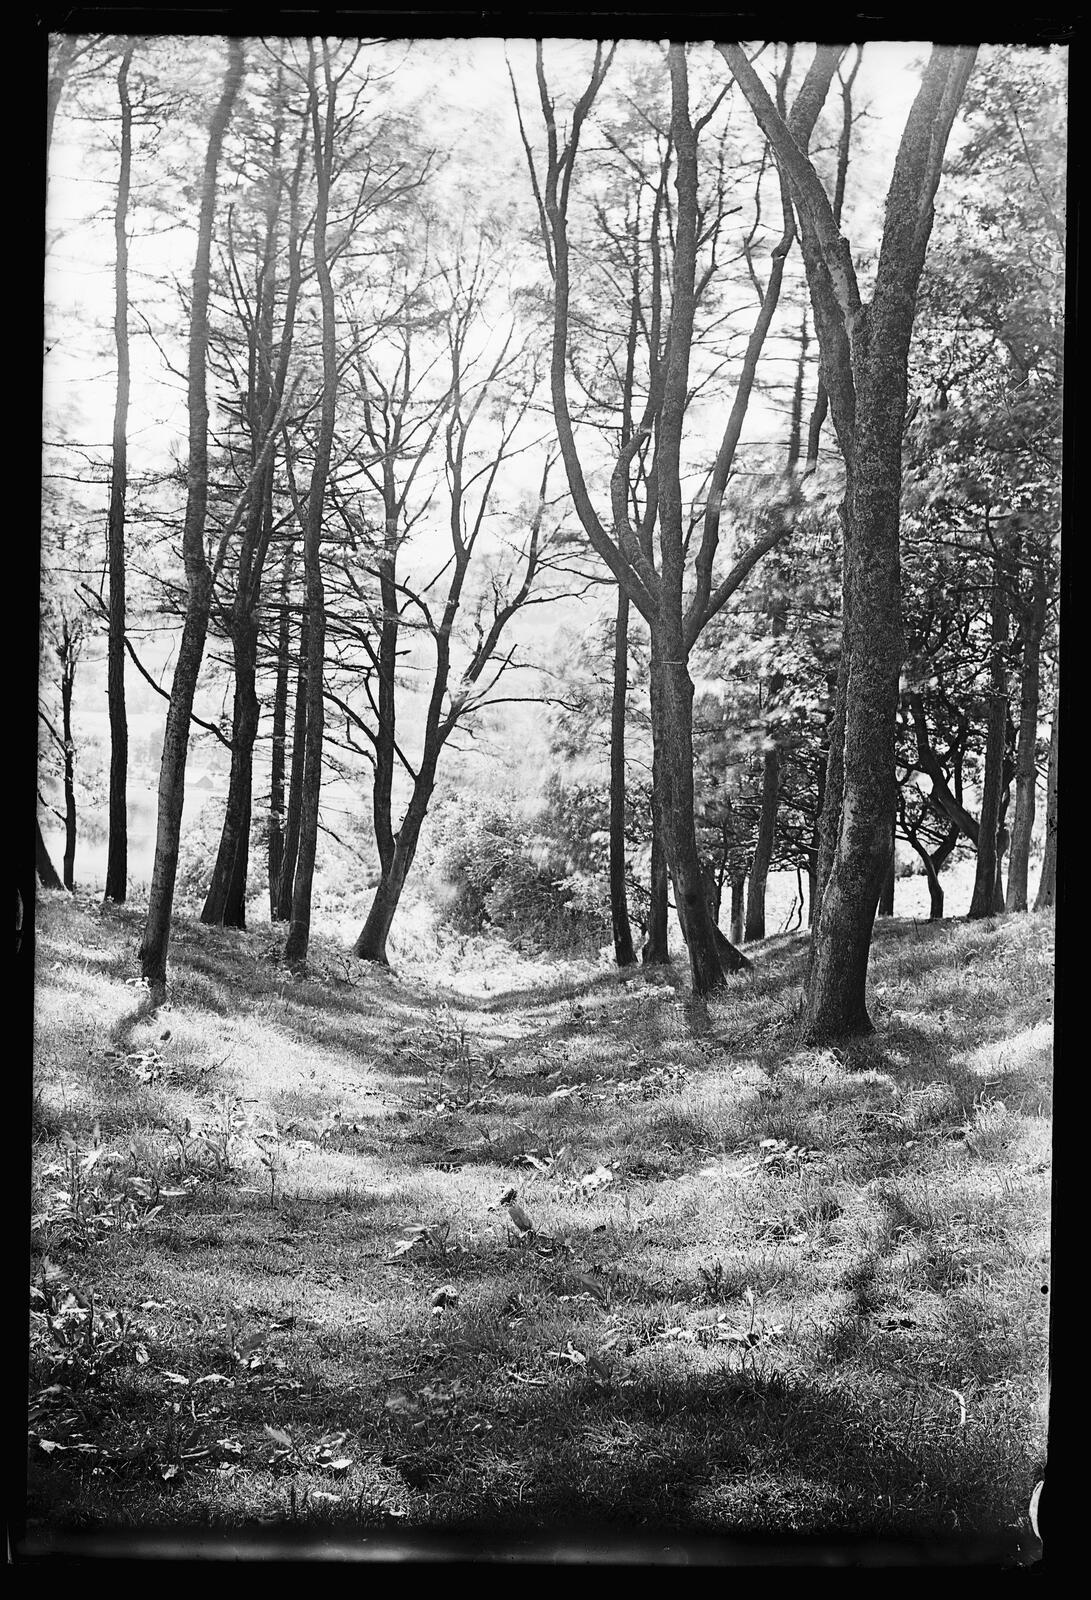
[[771, 1290]]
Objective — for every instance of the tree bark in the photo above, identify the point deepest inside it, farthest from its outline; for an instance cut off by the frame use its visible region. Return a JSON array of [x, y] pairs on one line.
[[1026, 766], [280, 728], [656, 949], [738, 887], [624, 954], [299, 929], [886, 894], [371, 945], [225, 903], [1047, 882], [172, 771], [983, 903], [295, 783], [69, 654], [117, 856]]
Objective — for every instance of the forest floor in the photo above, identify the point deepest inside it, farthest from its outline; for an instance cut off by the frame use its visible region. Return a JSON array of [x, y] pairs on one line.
[[769, 1290]]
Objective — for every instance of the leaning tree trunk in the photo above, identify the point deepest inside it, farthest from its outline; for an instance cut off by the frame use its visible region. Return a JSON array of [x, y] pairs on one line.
[[117, 857], [1047, 882], [172, 770], [1026, 766], [983, 902], [624, 954], [48, 876], [371, 943]]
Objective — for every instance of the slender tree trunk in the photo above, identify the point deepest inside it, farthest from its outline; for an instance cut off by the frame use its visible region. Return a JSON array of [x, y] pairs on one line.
[[69, 656], [983, 903], [1047, 882], [47, 872], [1026, 766], [738, 887], [295, 783], [656, 950], [280, 730], [624, 954], [225, 903], [117, 862], [711, 955], [763, 848], [299, 930], [172, 771]]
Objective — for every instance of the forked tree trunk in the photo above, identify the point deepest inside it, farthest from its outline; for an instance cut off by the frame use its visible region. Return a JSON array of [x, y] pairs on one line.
[[1047, 882], [624, 954], [117, 856], [172, 771], [371, 945]]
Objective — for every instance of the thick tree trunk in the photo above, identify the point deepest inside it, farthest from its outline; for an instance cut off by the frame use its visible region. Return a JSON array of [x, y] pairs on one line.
[[1026, 766], [225, 903], [835, 1003], [624, 954], [1047, 882], [983, 903], [117, 856], [48, 876], [172, 771], [763, 848]]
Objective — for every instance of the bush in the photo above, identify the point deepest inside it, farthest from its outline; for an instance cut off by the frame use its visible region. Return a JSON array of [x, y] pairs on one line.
[[499, 863]]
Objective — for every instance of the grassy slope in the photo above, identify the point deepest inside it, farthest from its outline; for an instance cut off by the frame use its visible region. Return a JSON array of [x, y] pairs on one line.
[[844, 1329]]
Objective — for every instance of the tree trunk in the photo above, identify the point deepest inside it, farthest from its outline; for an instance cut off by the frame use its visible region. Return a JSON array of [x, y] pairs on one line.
[[983, 903], [656, 950], [172, 771], [225, 903], [117, 857], [738, 886], [624, 954], [295, 783], [371, 943], [711, 956], [763, 848], [886, 894], [68, 654], [47, 872], [280, 729], [1047, 882], [1026, 766], [299, 929]]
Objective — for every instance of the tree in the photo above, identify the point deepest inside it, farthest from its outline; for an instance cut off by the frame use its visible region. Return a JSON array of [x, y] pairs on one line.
[[865, 352], [154, 945], [117, 860], [656, 587]]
